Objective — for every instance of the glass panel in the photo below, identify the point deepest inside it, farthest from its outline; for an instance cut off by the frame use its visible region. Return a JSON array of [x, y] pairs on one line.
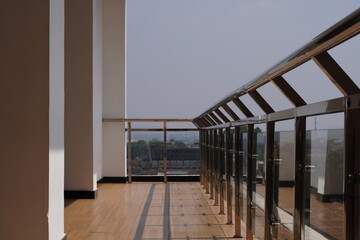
[[284, 179], [259, 180], [324, 181], [147, 153], [183, 153]]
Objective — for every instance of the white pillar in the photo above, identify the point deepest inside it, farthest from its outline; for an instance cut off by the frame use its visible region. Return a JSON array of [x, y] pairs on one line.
[[32, 119], [97, 89], [83, 99], [114, 87]]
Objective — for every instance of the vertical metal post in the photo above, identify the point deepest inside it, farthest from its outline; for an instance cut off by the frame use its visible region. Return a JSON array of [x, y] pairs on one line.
[[276, 172], [250, 176], [207, 178], [352, 173], [129, 152], [222, 172], [211, 166], [216, 167], [300, 143], [229, 159], [165, 153], [203, 132], [269, 180], [238, 163], [205, 163], [202, 157]]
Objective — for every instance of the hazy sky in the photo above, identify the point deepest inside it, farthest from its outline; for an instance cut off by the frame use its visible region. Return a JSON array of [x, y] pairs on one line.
[[185, 55]]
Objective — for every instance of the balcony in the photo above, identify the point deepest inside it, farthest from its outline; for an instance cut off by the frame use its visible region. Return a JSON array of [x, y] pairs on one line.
[[274, 159], [284, 174]]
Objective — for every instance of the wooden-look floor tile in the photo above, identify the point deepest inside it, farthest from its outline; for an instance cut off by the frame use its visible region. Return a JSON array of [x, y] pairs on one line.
[[118, 213]]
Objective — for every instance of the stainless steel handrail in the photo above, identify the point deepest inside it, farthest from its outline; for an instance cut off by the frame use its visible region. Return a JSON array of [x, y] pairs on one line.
[[145, 120]]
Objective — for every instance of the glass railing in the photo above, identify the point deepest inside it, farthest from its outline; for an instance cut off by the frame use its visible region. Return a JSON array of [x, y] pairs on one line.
[[158, 151], [183, 153], [147, 153], [297, 178]]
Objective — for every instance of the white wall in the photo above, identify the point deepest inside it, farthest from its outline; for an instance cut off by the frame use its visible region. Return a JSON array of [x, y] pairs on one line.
[[31, 123], [114, 87], [97, 89], [56, 121]]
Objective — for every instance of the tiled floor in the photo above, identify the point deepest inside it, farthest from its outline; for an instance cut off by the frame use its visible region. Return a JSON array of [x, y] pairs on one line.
[[118, 213], [178, 211]]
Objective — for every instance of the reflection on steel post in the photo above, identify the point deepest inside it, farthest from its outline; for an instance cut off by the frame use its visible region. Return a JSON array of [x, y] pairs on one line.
[[222, 172], [269, 180], [238, 162], [204, 158], [201, 157], [211, 172], [228, 175], [129, 152], [250, 175], [352, 176], [207, 162], [165, 154], [299, 214], [216, 167]]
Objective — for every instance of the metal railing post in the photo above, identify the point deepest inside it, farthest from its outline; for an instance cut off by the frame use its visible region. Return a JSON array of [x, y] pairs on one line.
[[269, 181], [204, 159], [129, 152], [211, 161], [216, 167], [207, 179], [299, 213], [222, 172], [165, 152], [352, 173], [201, 163], [250, 176], [229, 175], [238, 163]]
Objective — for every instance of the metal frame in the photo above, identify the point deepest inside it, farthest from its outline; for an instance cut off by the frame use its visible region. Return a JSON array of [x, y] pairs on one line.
[[222, 187], [228, 162], [238, 197], [317, 51]]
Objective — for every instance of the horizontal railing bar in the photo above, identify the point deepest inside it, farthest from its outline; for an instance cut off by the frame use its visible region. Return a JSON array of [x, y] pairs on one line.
[[320, 108], [161, 129], [338, 33], [313, 109], [144, 120], [224, 125], [245, 121]]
